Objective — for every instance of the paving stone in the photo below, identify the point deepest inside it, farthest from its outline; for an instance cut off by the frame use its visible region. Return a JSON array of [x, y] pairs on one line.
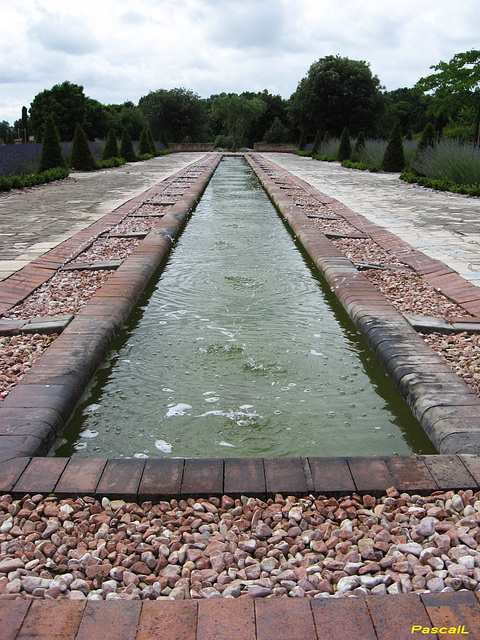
[[449, 472], [224, 619], [40, 476], [110, 620], [331, 475], [203, 477], [162, 479], [244, 476], [370, 474], [80, 477], [343, 619], [394, 616], [410, 473], [453, 610], [285, 475], [168, 620], [121, 478], [52, 620], [12, 615], [285, 619], [10, 472]]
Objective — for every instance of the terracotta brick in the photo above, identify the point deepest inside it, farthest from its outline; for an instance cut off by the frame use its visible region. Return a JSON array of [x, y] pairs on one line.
[[285, 619], [52, 620], [162, 479], [10, 472], [370, 475], [168, 620], [224, 619], [244, 476], [394, 616], [121, 478], [410, 473], [343, 619], [80, 477], [285, 475], [110, 620], [12, 614], [452, 610], [41, 475], [331, 475], [202, 477]]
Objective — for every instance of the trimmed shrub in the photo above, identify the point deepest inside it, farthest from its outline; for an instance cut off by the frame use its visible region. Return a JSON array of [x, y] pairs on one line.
[[428, 137], [316, 144], [163, 140], [302, 142], [110, 150], [81, 157], [127, 152], [153, 146], [144, 144], [393, 159], [345, 148], [359, 147], [51, 155]]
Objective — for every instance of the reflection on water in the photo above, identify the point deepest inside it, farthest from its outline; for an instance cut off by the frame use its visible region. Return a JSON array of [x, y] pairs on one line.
[[239, 350]]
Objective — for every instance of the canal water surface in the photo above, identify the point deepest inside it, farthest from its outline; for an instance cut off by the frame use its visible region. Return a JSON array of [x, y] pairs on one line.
[[240, 349]]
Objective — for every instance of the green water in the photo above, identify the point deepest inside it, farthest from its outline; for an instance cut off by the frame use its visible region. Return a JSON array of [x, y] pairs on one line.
[[239, 349]]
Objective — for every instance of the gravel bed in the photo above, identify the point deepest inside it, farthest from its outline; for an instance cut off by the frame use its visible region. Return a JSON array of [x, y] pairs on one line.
[[312, 547], [148, 208], [409, 293], [131, 224], [66, 292], [462, 352], [365, 250], [17, 354], [334, 226], [107, 249]]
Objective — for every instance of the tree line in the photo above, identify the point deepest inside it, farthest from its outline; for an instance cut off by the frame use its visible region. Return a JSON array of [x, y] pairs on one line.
[[336, 93]]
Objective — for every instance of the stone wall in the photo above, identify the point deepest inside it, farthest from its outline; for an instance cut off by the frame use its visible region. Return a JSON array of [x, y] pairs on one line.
[[192, 146], [279, 147]]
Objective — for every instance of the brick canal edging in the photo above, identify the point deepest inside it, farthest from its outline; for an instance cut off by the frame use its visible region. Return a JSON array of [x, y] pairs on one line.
[[446, 408], [36, 410]]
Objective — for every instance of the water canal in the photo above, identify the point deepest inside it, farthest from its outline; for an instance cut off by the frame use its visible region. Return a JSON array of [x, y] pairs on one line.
[[240, 349]]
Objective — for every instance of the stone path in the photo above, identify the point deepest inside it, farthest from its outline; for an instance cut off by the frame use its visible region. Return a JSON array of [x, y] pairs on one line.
[[34, 221], [445, 226]]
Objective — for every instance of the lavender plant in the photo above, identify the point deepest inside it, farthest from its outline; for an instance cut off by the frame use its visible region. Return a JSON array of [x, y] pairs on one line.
[[450, 159], [18, 159]]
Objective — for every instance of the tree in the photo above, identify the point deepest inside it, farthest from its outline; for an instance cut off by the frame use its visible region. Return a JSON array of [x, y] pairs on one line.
[[302, 143], [81, 157], [25, 134], [179, 112], [51, 155], [393, 158], [345, 148], [359, 146], [110, 150], [95, 123], [278, 132], [127, 152], [10, 138], [454, 83], [65, 102], [144, 143], [408, 107], [427, 139], [337, 93], [4, 129], [236, 113]]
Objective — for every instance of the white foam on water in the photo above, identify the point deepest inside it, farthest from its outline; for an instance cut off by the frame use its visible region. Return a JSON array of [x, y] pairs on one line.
[[89, 433], [222, 443], [178, 410], [91, 408], [164, 446], [315, 353]]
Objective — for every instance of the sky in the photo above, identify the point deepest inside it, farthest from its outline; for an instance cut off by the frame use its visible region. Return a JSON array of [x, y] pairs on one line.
[[120, 50]]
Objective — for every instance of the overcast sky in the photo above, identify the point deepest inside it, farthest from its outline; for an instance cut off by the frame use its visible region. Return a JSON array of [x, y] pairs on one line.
[[122, 49]]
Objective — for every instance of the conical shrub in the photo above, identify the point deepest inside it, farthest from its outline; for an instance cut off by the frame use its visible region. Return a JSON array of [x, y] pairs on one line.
[[110, 150], [359, 146], [302, 143], [81, 157], [427, 139], [127, 152], [144, 143], [345, 148], [51, 155], [153, 146], [316, 144], [393, 158], [163, 140]]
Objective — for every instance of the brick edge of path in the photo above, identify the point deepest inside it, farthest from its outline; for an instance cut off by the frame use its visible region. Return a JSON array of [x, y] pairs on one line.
[[371, 618]]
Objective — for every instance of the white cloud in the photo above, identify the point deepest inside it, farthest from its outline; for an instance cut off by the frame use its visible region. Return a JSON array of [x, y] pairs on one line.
[[122, 49]]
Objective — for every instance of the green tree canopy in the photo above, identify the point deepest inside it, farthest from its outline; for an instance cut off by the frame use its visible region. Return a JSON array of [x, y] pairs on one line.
[[454, 84], [337, 93], [236, 113], [65, 102], [180, 113]]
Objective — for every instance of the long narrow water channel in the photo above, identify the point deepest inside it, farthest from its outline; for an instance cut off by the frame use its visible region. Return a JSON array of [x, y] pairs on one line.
[[240, 349]]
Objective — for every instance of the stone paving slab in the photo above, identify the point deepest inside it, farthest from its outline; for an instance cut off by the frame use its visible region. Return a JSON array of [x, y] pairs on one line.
[[398, 617]]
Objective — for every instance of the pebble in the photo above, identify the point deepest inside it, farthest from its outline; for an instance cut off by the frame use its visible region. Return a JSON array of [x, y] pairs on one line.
[[284, 547]]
